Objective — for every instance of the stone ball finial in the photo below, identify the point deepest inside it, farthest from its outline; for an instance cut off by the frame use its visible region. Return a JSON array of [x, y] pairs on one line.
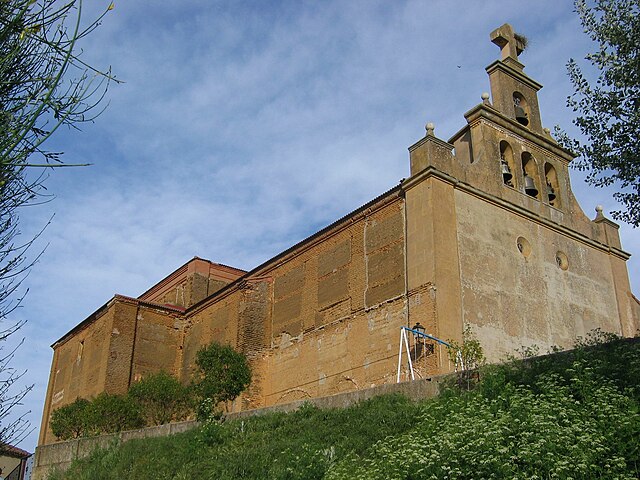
[[430, 127], [599, 209], [484, 96]]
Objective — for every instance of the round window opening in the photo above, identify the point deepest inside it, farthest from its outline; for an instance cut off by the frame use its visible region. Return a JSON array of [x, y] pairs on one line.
[[562, 261], [524, 247]]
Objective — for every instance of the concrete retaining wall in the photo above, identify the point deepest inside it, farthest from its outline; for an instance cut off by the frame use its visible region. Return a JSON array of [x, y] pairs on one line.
[[58, 456]]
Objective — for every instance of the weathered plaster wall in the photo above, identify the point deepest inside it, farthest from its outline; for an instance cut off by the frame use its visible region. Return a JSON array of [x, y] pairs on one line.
[[116, 346], [514, 298], [432, 254], [121, 346]]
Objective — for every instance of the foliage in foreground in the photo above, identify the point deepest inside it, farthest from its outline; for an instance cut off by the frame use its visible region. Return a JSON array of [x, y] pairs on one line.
[[43, 85], [162, 398], [159, 398], [573, 414], [222, 375], [104, 414], [608, 110]]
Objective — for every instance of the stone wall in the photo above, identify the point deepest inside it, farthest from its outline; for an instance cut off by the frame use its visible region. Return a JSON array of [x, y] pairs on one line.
[[555, 289], [58, 456], [79, 367], [117, 345]]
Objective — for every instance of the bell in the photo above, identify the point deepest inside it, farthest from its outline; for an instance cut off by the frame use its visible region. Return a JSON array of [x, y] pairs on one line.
[[506, 171], [530, 186], [551, 193], [521, 116]]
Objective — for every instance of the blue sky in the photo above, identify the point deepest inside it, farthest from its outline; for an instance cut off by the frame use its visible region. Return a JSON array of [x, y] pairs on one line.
[[243, 127]]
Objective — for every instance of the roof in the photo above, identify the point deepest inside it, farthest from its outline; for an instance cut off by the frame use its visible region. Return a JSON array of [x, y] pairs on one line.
[[396, 190], [11, 451], [182, 270]]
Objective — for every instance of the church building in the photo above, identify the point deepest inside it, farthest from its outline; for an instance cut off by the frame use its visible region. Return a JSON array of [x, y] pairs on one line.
[[484, 233]]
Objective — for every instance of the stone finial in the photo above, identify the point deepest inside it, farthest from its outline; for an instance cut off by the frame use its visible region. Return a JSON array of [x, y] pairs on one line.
[[430, 127], [485, 98], [547, 133], [511, 45], [599, 213]]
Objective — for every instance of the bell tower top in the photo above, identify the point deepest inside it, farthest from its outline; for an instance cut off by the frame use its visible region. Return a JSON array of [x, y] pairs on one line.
[[514, 94], [511, 44]]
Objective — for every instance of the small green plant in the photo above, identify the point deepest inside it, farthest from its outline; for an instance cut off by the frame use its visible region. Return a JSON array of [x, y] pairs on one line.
[[597, 336], [222, 375], [468, 358], [71, 421], [528, 351], [212, 432], [470, 352], [162, 398]]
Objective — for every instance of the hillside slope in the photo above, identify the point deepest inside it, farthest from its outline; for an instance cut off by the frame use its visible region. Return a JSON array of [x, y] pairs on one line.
[[568, 415]]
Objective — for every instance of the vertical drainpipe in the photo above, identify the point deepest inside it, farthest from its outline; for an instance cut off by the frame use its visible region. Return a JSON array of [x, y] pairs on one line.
[[183, 338], [133, 346], [403, 195]]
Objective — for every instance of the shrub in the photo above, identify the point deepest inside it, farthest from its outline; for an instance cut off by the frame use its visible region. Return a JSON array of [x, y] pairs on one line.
[[113, 413], [222, 374], [70, 421], [161, 398]]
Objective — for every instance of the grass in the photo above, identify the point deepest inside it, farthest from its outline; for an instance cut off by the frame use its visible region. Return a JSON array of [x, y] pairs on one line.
[[569, 415]]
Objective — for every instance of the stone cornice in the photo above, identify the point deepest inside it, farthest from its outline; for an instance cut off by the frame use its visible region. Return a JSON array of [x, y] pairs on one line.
[[512, 72], [177, 311], [538, 219], [432, 139], [491, 115], [299, 248]]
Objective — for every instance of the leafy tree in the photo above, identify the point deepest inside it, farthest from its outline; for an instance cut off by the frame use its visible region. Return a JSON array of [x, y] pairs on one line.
[[161, 398], [109, 413], [70, 421], [222, 374], [43, 86], [609, 109]]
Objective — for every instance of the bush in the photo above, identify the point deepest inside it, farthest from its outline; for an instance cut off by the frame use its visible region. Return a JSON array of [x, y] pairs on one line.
[[71, 420], [113, 413], [161, 398], [222, 374]]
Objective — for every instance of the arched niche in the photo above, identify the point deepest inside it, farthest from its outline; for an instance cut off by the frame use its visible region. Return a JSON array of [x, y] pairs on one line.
[[530, 173], [507, 164], [552, 188], [521, 109]]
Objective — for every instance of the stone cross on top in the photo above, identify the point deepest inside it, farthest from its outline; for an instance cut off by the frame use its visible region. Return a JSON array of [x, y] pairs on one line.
[[511, 44]]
